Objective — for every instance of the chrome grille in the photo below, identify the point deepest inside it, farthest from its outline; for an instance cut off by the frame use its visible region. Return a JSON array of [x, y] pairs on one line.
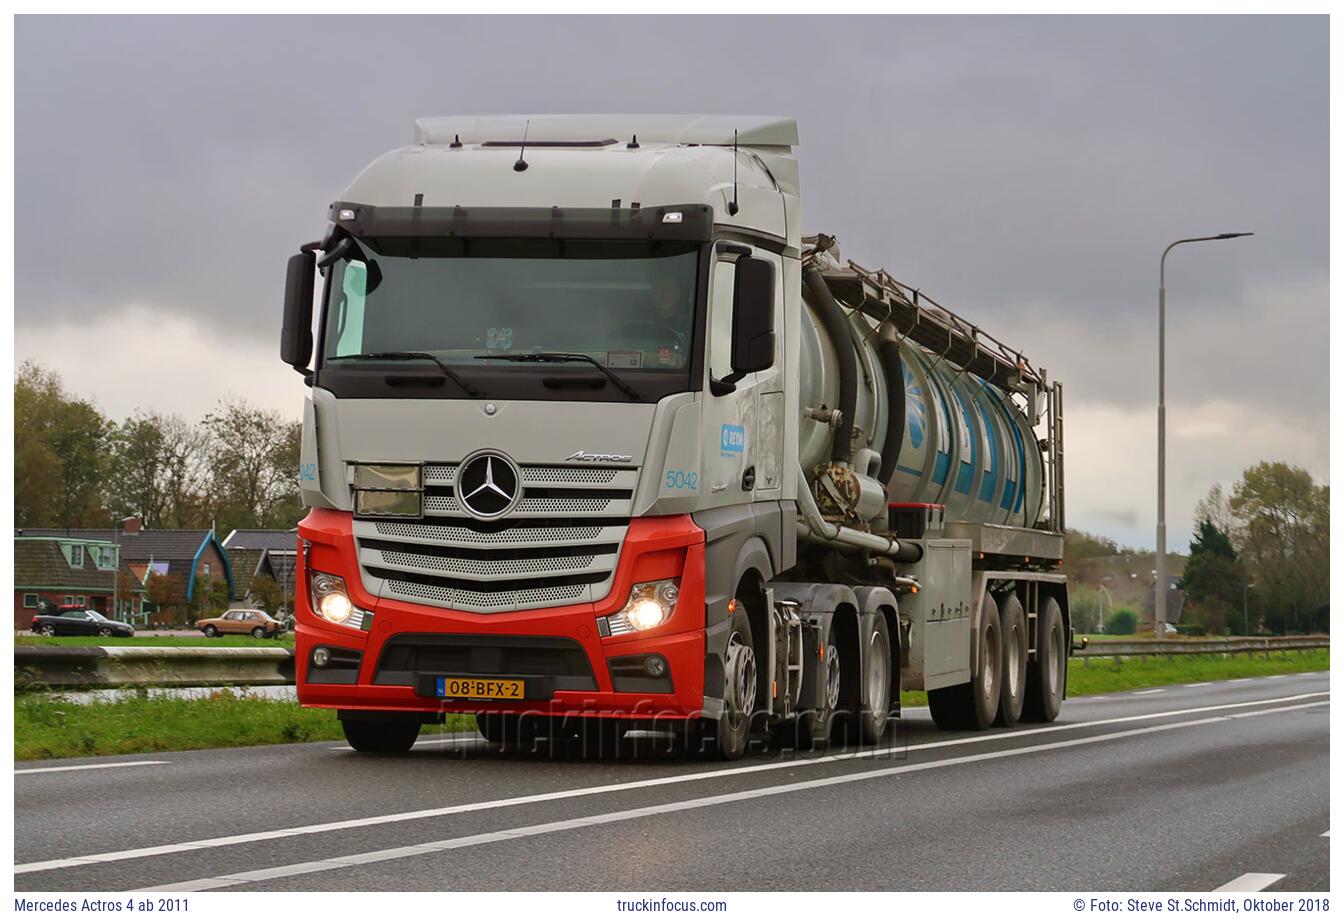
[[558, 546]]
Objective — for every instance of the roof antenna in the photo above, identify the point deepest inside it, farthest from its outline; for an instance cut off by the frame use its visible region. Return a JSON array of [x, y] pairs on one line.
[[522, 164], [732, 205]]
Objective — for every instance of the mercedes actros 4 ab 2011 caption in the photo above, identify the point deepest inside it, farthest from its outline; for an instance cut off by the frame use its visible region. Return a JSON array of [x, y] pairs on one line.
[[597, 439]]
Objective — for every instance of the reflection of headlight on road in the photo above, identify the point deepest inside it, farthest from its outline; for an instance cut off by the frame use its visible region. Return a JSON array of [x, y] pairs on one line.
[[650, 605], [332, 602]]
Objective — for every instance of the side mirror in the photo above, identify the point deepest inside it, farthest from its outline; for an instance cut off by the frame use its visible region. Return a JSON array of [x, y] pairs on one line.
[[296, 331], [753, 317]]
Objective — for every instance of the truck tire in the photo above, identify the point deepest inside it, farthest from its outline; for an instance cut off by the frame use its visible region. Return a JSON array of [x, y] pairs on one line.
[[876, 683], [726, 737], [973, 705], [1045, 675], [1013, 673], [389, 735]]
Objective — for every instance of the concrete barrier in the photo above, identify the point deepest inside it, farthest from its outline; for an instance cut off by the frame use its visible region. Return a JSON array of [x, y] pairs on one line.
[[83, 667]]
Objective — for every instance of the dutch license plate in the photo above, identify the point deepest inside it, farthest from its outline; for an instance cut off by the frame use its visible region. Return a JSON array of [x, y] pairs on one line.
[[480, 688]]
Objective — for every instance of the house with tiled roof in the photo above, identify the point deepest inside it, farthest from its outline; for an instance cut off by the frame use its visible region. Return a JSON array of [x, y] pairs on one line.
[[268, 552], [180, 555], [73, 570]]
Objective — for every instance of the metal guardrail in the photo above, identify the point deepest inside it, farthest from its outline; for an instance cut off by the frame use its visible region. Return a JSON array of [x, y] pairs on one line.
[[87, 667], [1249, 645]]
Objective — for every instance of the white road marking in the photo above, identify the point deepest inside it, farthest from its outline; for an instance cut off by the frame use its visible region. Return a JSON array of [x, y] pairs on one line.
[[1274, 676], [551, 827], [454, 738], [1146, 692], [235, 839], [1206, 683], [1240, 680], [93, 766], [1326, 834], [1251, 881]]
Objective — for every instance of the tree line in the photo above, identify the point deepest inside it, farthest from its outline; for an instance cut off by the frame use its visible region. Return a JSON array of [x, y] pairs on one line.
[[1260, 554], [76, 467], [1259, 561]]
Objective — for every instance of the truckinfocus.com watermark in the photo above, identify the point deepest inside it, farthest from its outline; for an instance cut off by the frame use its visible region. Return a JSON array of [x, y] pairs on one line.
[[670, 905]]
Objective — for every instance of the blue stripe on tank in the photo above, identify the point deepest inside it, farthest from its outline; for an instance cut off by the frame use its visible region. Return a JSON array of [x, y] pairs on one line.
[[990, 483], [966, 466]]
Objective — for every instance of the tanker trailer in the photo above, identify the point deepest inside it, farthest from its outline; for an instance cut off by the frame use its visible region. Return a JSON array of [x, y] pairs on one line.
[[596, 440]]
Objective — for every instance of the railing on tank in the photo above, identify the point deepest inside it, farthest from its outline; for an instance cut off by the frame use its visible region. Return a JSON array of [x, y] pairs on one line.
[[954, 340]]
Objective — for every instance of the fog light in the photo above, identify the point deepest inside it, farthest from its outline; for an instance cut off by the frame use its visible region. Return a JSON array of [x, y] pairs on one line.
[[320, 657], [655, 666]]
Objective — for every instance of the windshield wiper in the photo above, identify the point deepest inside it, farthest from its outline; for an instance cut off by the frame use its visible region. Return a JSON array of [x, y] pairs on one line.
[[564, 357], [413, 356]]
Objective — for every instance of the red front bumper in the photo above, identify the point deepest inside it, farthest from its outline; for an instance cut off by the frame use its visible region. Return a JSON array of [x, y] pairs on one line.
[[654, 548]]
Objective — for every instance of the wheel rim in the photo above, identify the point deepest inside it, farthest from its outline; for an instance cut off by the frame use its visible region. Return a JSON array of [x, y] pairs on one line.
[[877, 673], [1013, 654], [832, 677], [741, 677], [48, 631], [989, 662]]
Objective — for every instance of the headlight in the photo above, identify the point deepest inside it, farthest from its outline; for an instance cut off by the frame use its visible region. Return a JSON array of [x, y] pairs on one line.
[[650, 605], [332, 602]]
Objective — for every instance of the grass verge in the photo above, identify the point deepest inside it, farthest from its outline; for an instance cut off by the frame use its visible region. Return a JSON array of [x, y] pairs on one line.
[[286, 640], [49, 727]]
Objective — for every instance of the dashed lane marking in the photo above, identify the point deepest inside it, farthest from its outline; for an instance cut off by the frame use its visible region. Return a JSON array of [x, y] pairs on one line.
[[1251, 881]]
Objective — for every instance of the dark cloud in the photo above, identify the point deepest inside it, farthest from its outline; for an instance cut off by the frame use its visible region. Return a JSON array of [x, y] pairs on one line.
[[1024, 171]]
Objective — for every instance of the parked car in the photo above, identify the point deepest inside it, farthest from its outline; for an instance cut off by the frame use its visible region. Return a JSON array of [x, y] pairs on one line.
[[241, 621], [79, 621]]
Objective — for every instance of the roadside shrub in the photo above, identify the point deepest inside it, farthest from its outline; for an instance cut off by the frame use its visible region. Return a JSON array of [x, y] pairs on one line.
[[1122, 622], [1191, 629]]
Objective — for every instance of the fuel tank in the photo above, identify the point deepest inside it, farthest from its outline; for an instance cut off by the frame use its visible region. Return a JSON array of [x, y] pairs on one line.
[[965, 444]]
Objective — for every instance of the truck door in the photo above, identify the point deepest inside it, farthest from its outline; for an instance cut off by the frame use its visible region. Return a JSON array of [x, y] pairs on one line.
[[743, 433]]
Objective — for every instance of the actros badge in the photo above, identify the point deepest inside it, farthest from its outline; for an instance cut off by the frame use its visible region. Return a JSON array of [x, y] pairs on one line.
[[488, 485], [580, 456]]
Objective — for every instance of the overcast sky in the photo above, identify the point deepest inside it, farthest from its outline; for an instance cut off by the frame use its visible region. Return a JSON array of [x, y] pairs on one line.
[[1025, 172]]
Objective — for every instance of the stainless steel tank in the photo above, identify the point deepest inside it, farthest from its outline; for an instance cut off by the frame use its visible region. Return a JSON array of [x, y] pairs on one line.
[[966, 444]]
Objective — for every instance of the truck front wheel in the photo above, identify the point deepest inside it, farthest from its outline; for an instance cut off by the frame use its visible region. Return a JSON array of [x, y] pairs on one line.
[[386, 735], [974, 705], [726, 737]]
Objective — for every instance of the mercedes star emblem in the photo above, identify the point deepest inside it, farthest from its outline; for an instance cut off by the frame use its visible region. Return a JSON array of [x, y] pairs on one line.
[[487, 485]]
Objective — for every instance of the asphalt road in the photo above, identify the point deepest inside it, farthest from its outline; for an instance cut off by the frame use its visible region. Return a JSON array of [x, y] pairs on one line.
[[1180, 789]]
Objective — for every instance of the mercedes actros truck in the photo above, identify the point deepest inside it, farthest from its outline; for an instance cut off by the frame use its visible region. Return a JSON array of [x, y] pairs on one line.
[[599, 440]]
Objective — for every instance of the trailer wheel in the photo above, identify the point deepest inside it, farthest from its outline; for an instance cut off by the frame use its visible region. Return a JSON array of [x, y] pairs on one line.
[[726, 737], [389, 735], [1045, 675], [1014, 670], [973, 705]]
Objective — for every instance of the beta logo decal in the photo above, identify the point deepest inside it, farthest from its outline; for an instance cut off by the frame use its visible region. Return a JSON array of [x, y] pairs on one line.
[[732, 439]]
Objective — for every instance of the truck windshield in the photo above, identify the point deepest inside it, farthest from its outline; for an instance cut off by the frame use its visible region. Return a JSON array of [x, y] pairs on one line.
[[627, 305]]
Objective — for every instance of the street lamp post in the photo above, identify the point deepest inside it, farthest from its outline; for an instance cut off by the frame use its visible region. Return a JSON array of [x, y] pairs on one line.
[[1245, 609], [1160, 588]]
